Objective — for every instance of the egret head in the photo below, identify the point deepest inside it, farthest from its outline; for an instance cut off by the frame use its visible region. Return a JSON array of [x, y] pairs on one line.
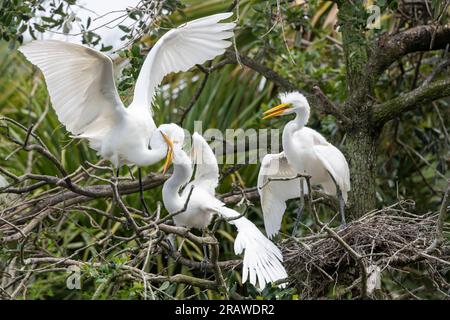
[[166, 139], [177, 156], [291, 102]]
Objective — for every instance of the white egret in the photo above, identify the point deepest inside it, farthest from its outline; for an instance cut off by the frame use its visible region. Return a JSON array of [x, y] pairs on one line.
[[305, 151], [262, 261], [83, 93]]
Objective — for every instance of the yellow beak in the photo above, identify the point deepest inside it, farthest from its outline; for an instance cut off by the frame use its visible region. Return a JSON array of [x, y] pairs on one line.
[[169, 156], [276, 111]]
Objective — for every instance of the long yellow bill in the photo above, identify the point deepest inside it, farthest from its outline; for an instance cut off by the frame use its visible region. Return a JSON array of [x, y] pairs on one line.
[[169, 156], [276, 111]]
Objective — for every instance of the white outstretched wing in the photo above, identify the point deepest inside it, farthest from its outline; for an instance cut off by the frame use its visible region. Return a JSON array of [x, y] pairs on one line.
[[207, 170], [262, 258], [274, 194], [179, 50], [80, 83], [335, 162]]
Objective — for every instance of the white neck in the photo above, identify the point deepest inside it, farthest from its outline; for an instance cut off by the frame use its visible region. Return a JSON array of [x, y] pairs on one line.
[[301, 117], [299, 122], [182, 174], [150, 157]]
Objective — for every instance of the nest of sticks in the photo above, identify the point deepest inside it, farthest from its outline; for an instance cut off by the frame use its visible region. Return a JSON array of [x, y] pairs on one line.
[[349, 263]]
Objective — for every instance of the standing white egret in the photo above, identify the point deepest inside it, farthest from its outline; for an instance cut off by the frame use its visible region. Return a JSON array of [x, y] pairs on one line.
[[262, 259], [83, 93], [305, 151]]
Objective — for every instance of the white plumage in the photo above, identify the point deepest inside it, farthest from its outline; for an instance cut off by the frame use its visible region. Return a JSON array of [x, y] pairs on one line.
[[305, 151], [83, 93], [274, 193], [262, 259]]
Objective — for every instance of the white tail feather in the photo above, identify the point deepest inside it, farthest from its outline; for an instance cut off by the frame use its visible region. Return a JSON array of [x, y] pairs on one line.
[[262, 258]]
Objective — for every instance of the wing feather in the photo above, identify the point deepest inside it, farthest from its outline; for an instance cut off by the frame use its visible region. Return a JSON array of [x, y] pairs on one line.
[[80, 83], [180, 49], [274, 194], [335, 162]]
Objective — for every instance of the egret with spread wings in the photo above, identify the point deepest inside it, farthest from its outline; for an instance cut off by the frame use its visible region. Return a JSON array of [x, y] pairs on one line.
[[84, 95], [262, 259], [305, 151]]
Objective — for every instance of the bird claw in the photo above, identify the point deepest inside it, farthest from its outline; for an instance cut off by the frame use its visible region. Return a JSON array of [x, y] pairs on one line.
[[342, 226]]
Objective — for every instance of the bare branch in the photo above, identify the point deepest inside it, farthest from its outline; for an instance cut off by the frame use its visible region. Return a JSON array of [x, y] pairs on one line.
[[408, 101], [391, 48], [261, 69]]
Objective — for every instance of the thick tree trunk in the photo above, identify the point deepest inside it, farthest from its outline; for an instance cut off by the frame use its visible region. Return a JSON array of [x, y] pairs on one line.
[[361, 147], [361, 136]]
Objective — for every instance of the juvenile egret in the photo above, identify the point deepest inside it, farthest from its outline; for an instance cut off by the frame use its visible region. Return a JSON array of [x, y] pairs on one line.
[[83, 93], [262, 259], [305, 151]]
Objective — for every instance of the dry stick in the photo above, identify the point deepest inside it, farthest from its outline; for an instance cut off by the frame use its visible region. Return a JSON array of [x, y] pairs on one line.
[[124, 208], [329, 107], [441, 120], [179, 278], [407, 147], [217, 271], [440, 67], [13, 226], [178, 257]]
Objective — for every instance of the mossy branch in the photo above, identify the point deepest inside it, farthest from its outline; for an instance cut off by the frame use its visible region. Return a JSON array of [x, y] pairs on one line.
[[389, 49], [408, 101]]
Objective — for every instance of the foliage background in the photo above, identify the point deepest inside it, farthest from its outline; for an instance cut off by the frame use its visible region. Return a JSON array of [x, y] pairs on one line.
[[301, 43]]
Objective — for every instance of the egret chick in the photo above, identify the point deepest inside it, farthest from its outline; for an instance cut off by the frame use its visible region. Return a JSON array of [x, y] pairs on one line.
[[262, 259], [305, 151]]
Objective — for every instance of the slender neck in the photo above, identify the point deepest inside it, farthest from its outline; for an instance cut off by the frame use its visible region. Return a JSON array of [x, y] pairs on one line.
[[299, 122], [149, 157], [182, 173], [301, 117]]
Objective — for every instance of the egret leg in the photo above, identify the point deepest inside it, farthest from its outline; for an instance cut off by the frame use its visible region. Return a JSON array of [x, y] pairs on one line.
[[341, 206], [204, 263], [170, 241], [131, 173], [141, 193], [299, 209], [341, 201]]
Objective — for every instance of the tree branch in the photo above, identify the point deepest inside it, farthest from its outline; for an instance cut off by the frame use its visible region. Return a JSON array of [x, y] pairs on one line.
[[425, 94], [261, 69], [391, 48]]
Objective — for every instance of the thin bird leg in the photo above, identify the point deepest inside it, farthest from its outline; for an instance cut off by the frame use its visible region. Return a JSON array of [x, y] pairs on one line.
[[131, 173], [300, 208], [141, 194], [341, 206], [171, 242], [172, 246], [341, 201], [204, 263]]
